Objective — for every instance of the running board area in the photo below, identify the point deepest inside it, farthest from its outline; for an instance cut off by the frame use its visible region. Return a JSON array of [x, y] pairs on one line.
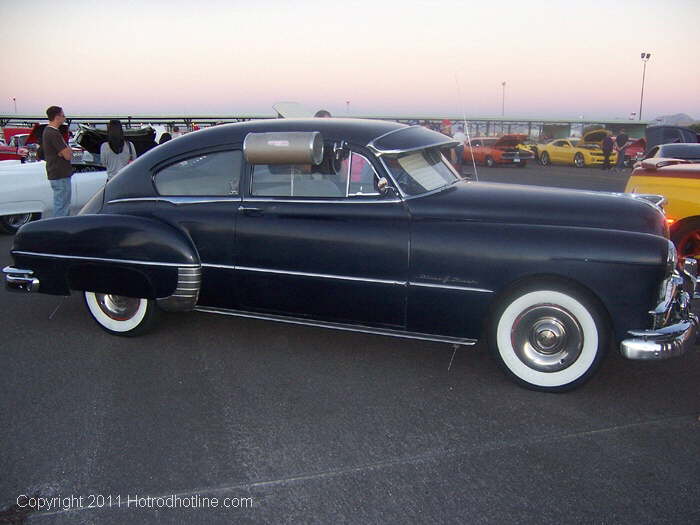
[[338, 326]]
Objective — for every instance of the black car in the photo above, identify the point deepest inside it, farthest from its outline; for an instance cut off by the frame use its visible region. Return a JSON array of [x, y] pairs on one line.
[[364, 226], [685, 151]]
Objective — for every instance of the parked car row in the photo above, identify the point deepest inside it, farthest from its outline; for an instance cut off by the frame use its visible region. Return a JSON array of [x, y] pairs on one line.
[[365, 226]]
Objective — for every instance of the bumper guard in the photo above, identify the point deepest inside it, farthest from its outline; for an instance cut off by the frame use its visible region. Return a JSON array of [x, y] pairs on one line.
[[679, 326], [19, 280]]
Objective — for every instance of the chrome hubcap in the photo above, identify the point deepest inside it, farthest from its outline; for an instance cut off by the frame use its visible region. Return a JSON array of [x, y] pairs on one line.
[[547, 338], [118, 307]]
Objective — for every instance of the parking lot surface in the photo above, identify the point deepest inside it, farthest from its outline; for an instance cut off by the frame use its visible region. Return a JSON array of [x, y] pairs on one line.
[[318, 426]]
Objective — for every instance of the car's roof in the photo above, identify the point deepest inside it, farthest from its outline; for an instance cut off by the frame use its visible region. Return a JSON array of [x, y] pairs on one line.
[[680, 145], [359, 131]]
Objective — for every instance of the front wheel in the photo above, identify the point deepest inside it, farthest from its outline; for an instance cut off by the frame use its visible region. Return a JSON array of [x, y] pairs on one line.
[[579, 161], [549, 338], [522, 164], [490, 163], [544, 159], [119, 315]]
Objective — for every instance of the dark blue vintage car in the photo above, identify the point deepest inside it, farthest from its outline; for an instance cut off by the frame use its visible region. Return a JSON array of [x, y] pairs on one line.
[[364, 226]]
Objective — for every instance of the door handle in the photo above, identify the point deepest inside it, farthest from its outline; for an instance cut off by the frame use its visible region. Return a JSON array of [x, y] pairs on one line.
[[250, 211]]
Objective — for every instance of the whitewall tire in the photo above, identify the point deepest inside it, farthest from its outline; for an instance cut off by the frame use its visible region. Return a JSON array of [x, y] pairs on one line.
[[120, 315], [551, 338]]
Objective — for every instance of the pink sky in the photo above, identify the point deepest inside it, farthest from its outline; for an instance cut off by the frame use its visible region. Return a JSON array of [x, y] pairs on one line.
[[559, 59]]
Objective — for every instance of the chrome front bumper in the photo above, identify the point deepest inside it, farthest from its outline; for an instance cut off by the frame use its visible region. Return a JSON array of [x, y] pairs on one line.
[[19, 280], [675, 326]]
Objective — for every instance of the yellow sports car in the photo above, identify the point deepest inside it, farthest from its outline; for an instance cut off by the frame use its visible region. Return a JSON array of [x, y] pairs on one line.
[[679, 182], [581, 152]]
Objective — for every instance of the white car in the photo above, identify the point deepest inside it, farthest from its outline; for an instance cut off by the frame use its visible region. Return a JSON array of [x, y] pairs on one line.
[[26, 193]]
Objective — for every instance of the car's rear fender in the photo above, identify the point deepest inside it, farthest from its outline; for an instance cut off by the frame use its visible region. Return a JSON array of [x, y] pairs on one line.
[[118, 254]]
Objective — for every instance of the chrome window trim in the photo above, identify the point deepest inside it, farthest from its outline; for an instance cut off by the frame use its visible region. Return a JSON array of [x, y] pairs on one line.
[[103, 259], [345, 200], [178, 200], [338, 326]]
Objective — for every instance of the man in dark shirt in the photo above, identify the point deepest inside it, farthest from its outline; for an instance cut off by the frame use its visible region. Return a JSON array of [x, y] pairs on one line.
[[58, 156], [620, 145], [607, 148]]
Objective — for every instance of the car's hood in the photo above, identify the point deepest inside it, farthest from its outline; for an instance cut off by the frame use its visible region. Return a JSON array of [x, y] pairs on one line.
[[518, 204], [509, 141], [595, 136]]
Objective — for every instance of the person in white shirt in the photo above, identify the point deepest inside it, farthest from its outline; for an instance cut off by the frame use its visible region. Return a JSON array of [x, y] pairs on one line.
[[459, 136], [116, 152]]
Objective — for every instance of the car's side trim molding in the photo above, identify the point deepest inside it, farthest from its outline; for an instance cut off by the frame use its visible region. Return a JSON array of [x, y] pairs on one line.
[[103, 259], [338, 326], [348, 278], [452, 287], [178, 200], [308, 274]]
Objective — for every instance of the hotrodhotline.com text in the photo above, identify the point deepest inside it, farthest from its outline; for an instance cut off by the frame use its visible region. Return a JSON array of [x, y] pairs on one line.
[[98, 501]]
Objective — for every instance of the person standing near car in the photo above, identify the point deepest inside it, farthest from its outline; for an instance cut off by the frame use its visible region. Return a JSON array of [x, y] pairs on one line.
[[460, 137], [116, 152], [58, 166], [607, 147], [620, 145]]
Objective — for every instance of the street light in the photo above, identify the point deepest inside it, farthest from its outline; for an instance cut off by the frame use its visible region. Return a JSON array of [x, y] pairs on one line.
[[14, 101], [503, 99], [645, 58]]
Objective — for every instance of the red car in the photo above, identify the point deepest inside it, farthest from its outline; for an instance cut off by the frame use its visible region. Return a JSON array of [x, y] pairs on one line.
[[491, 151], [15, 150], [634, 151]]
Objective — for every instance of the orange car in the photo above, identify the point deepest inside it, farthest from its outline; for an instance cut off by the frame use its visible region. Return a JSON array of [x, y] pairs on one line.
[[491, 151]]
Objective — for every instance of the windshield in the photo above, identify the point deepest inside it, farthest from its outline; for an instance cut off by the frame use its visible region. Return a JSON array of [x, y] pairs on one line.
[[421, 171]]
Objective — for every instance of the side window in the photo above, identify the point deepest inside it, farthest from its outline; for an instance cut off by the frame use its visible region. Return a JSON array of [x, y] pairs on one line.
[[363, 177], [328, 179], [211, 174], [354, 176]]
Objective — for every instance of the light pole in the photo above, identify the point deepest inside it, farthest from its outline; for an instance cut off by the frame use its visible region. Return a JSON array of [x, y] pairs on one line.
[[14, 101], [645, 59], [347, 107], [503, 99]]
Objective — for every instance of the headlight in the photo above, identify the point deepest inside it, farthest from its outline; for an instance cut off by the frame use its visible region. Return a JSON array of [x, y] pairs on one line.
[[671, 259]]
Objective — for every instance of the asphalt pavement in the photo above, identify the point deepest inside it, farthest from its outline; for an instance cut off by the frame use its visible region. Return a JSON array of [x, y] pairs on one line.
[[299, 424]]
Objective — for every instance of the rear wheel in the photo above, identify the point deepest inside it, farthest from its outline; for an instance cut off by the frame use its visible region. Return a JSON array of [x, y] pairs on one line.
[[549, 337], [119, 315], [522, 164], [544, 159], [489, 162], [12, 223]]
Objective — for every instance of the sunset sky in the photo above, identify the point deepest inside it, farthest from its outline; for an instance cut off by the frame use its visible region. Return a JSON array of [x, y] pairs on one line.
[[558, 59]]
